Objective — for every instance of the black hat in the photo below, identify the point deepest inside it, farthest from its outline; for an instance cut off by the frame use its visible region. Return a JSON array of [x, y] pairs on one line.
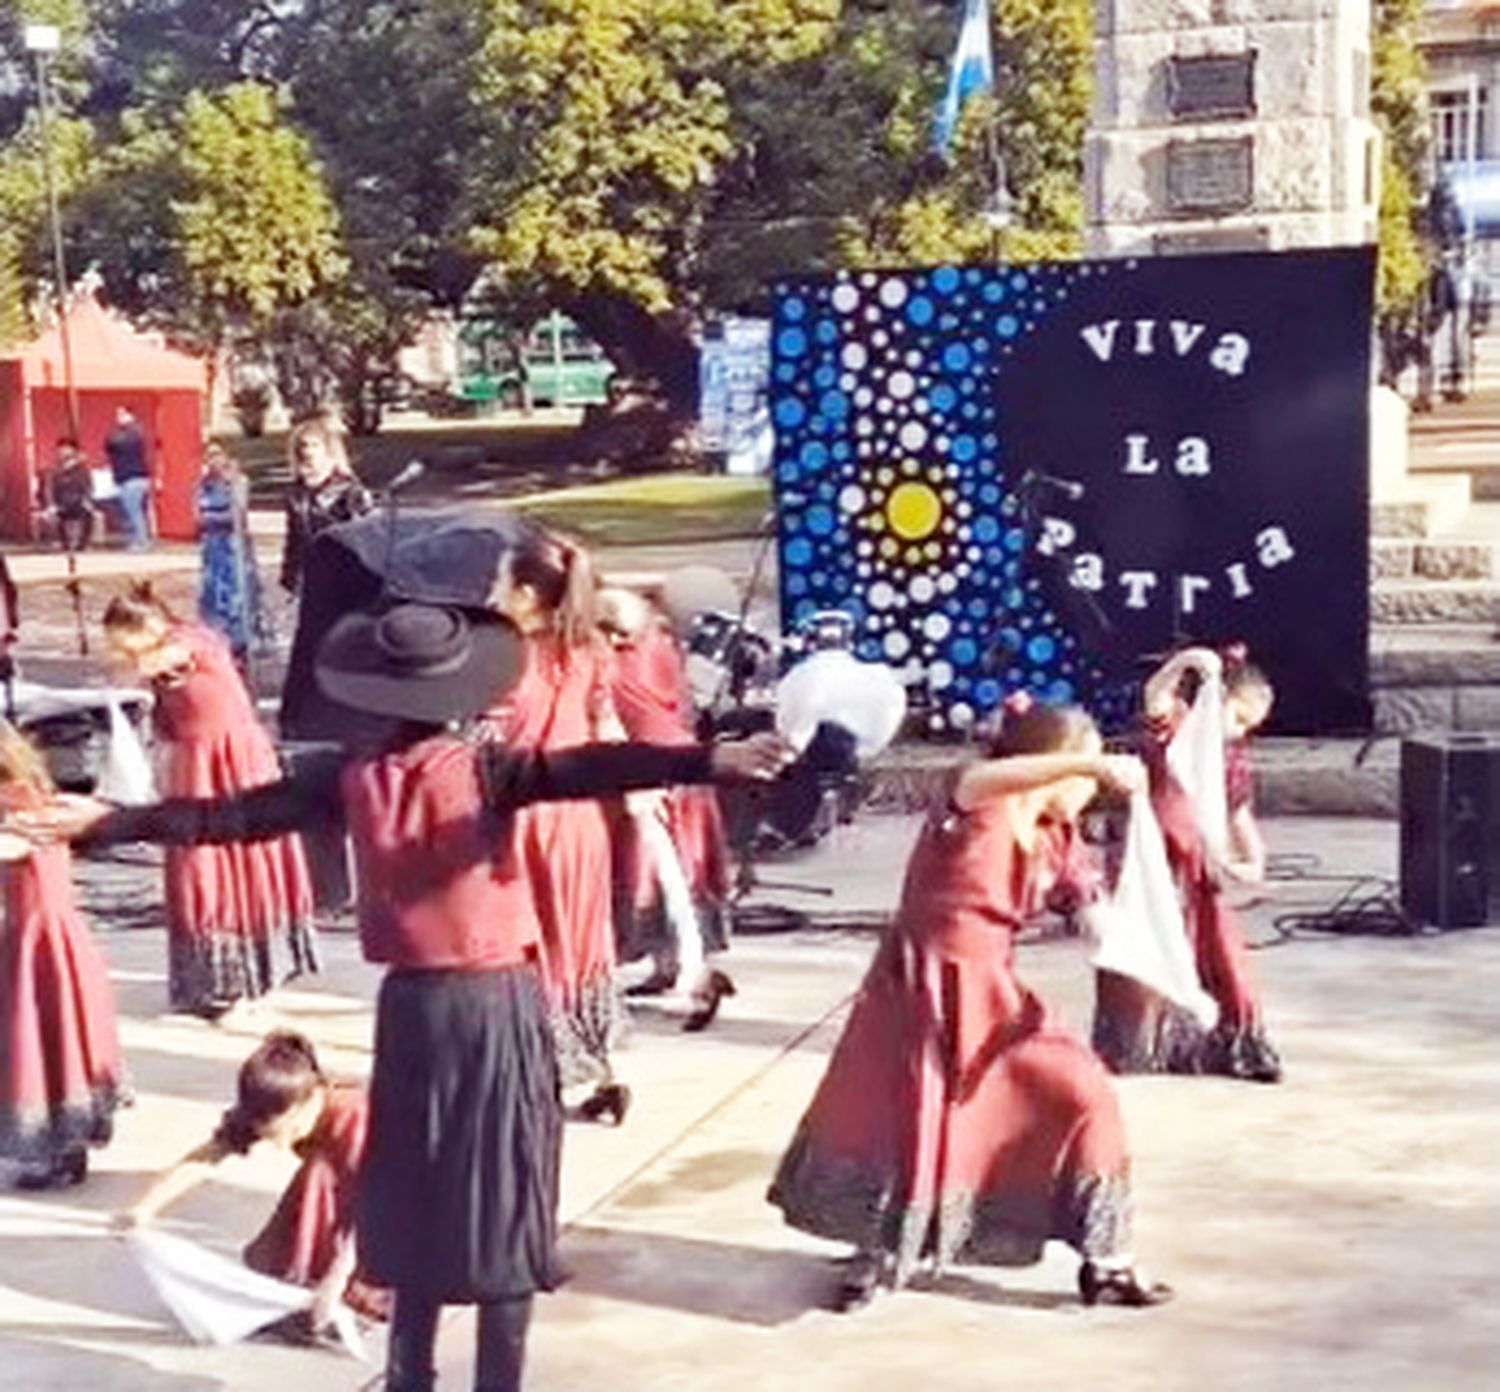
[[418, 662]]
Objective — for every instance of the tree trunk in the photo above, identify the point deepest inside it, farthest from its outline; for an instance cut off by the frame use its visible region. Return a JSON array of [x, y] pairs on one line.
[[654, 396], [655, 349]]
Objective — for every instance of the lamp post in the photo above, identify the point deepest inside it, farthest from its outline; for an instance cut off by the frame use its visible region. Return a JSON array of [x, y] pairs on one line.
[[43, 40], [999, 212]]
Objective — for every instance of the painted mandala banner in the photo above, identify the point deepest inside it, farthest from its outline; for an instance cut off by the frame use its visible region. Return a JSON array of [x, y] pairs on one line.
[[1042, 477]]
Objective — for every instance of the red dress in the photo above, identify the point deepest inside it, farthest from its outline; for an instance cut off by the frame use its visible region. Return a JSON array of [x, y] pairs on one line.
[[649, 689], [239, 917], [1135, 1031], [956, 1121], [300, 1241], [61, 1076], [563, 849]]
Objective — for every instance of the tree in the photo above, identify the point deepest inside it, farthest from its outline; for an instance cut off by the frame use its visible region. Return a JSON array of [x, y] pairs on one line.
[[256, 229], [1399, 101], [608, 125], [648, 162]]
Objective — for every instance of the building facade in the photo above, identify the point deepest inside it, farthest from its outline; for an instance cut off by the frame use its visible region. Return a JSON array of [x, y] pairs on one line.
[[1231, 125]]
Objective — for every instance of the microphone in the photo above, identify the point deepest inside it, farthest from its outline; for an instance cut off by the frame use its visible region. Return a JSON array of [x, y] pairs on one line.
[[1069, 488], [408, 476]]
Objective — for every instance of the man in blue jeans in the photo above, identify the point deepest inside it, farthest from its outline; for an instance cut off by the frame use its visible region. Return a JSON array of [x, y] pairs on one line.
[[126, 449]]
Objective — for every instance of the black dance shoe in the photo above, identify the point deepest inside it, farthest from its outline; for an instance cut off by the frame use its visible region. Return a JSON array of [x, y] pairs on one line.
[[658, 983], [706, 1001], [1099, 1286], [857, 1286], [609, 1100]]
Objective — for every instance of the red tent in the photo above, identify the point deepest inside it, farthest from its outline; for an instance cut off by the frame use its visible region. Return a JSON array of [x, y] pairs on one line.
[[113, 366]]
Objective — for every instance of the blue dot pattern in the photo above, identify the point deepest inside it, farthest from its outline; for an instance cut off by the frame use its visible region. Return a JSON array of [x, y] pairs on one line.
[[887, 378]]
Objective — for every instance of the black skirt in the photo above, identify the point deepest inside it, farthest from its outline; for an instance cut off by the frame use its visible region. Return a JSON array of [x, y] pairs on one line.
[[458, 1192]]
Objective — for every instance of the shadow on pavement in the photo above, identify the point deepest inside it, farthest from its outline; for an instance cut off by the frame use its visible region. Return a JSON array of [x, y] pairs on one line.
[[35, 1366], [722, 1280]]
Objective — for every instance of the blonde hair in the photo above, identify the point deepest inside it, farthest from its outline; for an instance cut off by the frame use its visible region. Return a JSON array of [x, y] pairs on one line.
[[324, 428], [21, 764], [136, 609]]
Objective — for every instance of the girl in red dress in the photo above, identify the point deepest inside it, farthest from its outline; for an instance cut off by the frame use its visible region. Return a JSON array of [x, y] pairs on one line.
[[650, 697], [957, 1121], [285, 1099], [1135, 1031], [562, 701], [239, 918], [61, 1077]]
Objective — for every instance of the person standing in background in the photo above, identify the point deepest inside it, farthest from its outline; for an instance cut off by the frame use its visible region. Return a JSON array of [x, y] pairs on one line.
[[324, 492], [129, 462], [229, 593]]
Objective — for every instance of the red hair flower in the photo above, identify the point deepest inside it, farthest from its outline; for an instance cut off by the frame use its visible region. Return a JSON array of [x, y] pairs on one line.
[[1019, 703]]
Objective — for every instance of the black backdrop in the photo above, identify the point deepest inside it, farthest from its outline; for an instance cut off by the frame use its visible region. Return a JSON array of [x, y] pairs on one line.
[[1042, 477], [1288, 449]]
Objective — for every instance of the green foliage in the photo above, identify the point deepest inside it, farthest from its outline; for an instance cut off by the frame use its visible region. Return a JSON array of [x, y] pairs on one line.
[[312, 178], [256, 227], [609, 125], [1399, 101]]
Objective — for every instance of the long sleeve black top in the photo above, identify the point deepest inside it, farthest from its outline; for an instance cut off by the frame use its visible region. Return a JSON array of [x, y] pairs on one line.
[[508, 778]]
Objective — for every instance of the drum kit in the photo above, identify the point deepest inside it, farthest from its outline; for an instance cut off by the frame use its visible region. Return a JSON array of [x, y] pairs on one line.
[[837, 712]]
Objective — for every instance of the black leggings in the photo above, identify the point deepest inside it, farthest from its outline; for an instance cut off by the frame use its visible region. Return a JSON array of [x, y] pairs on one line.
[[500, 1351]]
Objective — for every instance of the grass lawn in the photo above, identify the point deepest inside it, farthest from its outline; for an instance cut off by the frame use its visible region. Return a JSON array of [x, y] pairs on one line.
[[655, 509]]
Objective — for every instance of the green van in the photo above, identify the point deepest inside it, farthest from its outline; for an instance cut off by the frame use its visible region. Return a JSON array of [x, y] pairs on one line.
[[558, 364]]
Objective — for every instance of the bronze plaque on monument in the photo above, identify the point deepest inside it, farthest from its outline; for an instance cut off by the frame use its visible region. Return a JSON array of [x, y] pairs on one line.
[[1210, 176], [1217, 87]]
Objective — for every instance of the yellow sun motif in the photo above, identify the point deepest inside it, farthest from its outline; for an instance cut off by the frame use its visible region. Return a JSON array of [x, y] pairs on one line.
[[914, 511]]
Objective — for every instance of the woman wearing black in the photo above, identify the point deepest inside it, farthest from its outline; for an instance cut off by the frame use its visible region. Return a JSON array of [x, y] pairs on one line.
[[458, 1196], [324, 492]]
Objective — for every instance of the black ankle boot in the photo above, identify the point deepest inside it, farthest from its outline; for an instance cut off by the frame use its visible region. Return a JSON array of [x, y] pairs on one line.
[[609, 1100], [1101, 1286]]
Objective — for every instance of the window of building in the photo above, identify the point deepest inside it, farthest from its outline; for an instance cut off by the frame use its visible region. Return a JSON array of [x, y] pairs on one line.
[[1451, 115]]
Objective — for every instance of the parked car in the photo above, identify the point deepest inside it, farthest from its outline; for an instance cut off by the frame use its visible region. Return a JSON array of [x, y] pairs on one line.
[[555, 363]]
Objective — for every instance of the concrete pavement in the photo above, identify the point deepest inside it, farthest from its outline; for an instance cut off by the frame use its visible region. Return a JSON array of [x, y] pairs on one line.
[[1337, 1232]]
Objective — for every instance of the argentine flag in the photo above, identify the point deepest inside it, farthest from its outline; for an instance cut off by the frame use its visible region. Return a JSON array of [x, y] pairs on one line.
[[973, 70]]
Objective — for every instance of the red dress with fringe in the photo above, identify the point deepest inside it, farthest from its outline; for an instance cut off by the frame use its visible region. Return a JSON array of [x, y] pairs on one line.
[[1135, 1031], [650, 693], [239, 917], [61, 1075], [956, 1121], [563, 849], [316, 1210]]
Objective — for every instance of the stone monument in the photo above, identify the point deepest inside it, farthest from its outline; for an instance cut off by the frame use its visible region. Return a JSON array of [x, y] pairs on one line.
[[1231, 125]]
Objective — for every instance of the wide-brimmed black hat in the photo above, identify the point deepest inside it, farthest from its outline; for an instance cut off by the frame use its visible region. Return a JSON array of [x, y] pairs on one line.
[[421, 662]]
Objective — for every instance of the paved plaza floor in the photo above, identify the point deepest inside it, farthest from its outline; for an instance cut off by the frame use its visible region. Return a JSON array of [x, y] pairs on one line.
[[1338, 1233]]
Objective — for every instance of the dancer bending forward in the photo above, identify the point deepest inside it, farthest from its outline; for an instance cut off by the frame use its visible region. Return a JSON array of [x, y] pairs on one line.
[[956, 1121], [284, 1098], [1135, 1030]]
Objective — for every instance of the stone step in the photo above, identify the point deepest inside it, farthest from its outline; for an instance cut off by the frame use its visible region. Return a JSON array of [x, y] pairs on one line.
[[1422, 506], [1435, 558], [1435, 655], [1293, 777], [1405, 710], [1435, 602]]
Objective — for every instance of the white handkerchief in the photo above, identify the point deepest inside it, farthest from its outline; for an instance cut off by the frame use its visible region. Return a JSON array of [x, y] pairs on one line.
[[218, 1300], [1139, 930], [1196, 758]]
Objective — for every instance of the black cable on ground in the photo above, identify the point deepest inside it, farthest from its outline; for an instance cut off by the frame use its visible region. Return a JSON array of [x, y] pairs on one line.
[[1369, 905]]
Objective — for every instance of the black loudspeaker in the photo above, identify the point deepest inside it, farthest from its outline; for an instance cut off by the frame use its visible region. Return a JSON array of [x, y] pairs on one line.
[[1450, 829]]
